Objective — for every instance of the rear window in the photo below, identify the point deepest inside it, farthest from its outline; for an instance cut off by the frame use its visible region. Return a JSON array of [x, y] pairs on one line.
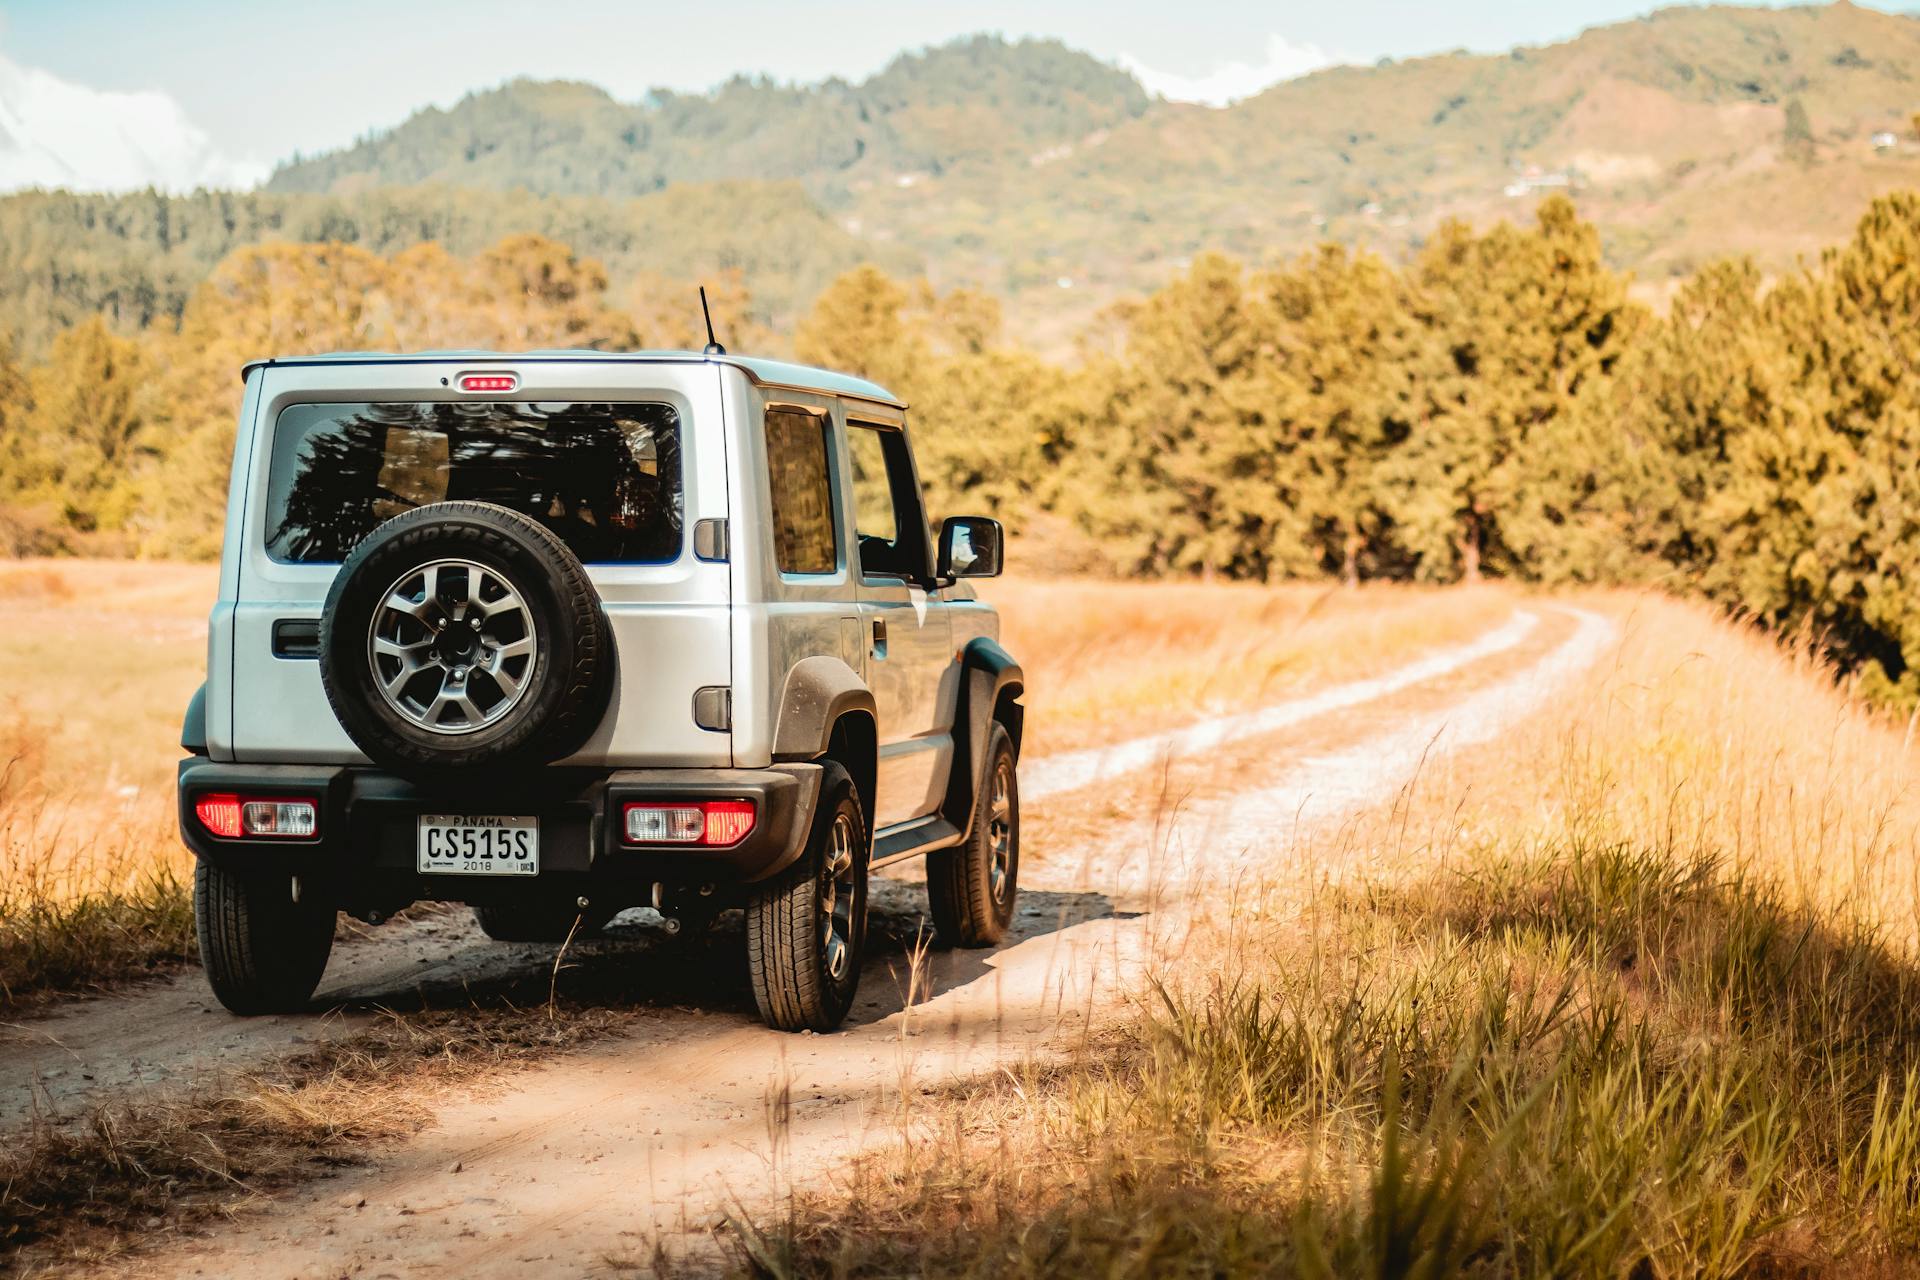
[[604, 477]]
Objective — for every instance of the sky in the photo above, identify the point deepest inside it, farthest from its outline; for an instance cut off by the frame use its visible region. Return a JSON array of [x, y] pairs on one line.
[[120, 94]]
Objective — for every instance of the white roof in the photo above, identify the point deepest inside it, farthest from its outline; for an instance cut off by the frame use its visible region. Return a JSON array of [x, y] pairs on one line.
[[770, 373]]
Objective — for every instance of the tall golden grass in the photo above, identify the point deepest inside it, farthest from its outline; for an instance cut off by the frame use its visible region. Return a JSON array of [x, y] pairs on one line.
[[1634, 993], [100, 659]]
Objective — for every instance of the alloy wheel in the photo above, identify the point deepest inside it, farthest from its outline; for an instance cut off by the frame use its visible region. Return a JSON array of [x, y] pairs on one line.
[[837, 899], [1000, 832], [452, 646]]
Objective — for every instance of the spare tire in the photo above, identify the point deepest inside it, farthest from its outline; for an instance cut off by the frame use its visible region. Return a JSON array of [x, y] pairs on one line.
[[463, 637]]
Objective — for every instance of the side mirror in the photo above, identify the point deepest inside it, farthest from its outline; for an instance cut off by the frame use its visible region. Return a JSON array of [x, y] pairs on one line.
[[971, 547]]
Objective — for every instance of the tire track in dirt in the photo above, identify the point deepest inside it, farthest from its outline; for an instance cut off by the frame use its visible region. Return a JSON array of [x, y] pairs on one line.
[[1074, 769], [173, 1031], [590, 1159]]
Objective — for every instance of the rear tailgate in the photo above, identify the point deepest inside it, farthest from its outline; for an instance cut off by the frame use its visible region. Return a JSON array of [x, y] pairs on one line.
[[670, 619]]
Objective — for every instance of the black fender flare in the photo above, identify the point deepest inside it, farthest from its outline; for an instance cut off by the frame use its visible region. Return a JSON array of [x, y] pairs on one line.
[[990, 684], [193, 729], [819, 691]]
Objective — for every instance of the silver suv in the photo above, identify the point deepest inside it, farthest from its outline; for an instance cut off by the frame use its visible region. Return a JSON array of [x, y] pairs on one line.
[[563, 633]]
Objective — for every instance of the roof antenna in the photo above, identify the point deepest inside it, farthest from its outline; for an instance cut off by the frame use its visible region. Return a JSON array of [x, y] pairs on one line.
[[713, 347]]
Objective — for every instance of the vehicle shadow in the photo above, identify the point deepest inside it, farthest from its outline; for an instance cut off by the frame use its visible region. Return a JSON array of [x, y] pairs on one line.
[[636, 965]]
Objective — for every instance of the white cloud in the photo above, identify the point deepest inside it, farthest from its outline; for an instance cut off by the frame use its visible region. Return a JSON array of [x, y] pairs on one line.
[[1232, 81], [54, 133]]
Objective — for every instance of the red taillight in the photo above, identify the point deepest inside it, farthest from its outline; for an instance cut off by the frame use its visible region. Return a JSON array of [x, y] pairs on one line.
[[231, 816], [708, 823], [488, 382], [219, 814], [728, 821]]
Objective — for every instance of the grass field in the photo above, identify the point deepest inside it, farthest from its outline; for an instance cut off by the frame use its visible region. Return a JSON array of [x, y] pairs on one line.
[[102, 658], [1634, 995], [94, 882]]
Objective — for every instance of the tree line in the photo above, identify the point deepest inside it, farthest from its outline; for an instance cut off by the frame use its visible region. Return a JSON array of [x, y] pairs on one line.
[[1496, 405], [138, 258]]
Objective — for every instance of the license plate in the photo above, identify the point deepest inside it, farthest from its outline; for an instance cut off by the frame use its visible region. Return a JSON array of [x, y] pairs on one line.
[[478, 845]]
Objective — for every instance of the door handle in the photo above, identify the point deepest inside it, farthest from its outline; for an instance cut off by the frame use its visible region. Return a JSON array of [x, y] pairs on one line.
[[880, 636]]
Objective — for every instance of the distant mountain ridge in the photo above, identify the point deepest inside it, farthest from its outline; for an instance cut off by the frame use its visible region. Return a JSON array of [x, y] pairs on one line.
[[1025, 167], [1055, 181], [972, 100]]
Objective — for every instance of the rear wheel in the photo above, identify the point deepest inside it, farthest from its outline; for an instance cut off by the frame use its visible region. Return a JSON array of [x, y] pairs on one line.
[[971, 887], [806, 932], [263, 951]]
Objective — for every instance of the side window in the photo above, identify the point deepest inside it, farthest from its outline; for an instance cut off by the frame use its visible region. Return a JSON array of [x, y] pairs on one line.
[[887, 512], [798, 484]]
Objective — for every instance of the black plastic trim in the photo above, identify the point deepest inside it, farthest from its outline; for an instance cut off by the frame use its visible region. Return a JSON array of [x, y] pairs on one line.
[[368, 818], [819, 691], [296, 638], [987, 674], [193, 727]]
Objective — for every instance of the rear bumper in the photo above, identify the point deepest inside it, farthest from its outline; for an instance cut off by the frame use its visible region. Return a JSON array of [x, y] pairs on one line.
[[368, 828]]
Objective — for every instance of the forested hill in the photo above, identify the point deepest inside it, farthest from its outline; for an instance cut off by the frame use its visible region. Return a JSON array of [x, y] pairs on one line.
[[1685, 135], [138, 258], [976, 101], [1053, 181]]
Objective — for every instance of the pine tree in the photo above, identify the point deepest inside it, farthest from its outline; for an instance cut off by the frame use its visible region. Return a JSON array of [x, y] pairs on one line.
[[859, 325], [16, 444], [1860, 572], [84, 433], [540, 294], [1179, 470], [1337, 322], [1510, 330]]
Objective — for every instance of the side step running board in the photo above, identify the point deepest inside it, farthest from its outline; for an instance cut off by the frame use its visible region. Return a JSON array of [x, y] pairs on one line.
[[897, 844]]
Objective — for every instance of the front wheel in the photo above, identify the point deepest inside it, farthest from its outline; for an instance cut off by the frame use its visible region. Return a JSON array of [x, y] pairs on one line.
[[263, 946], [806, 931], [971, 887]]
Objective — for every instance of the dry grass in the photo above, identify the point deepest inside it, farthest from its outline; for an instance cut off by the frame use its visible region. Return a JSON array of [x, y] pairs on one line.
[[1637, 994], [1107, 660], [93, 881]]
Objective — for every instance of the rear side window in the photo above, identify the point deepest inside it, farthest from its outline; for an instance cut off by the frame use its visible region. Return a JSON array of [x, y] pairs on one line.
[[604, 477], [802, 494]]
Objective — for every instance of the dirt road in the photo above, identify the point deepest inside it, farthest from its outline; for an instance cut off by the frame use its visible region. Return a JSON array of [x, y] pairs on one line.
[[585, 1164]]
